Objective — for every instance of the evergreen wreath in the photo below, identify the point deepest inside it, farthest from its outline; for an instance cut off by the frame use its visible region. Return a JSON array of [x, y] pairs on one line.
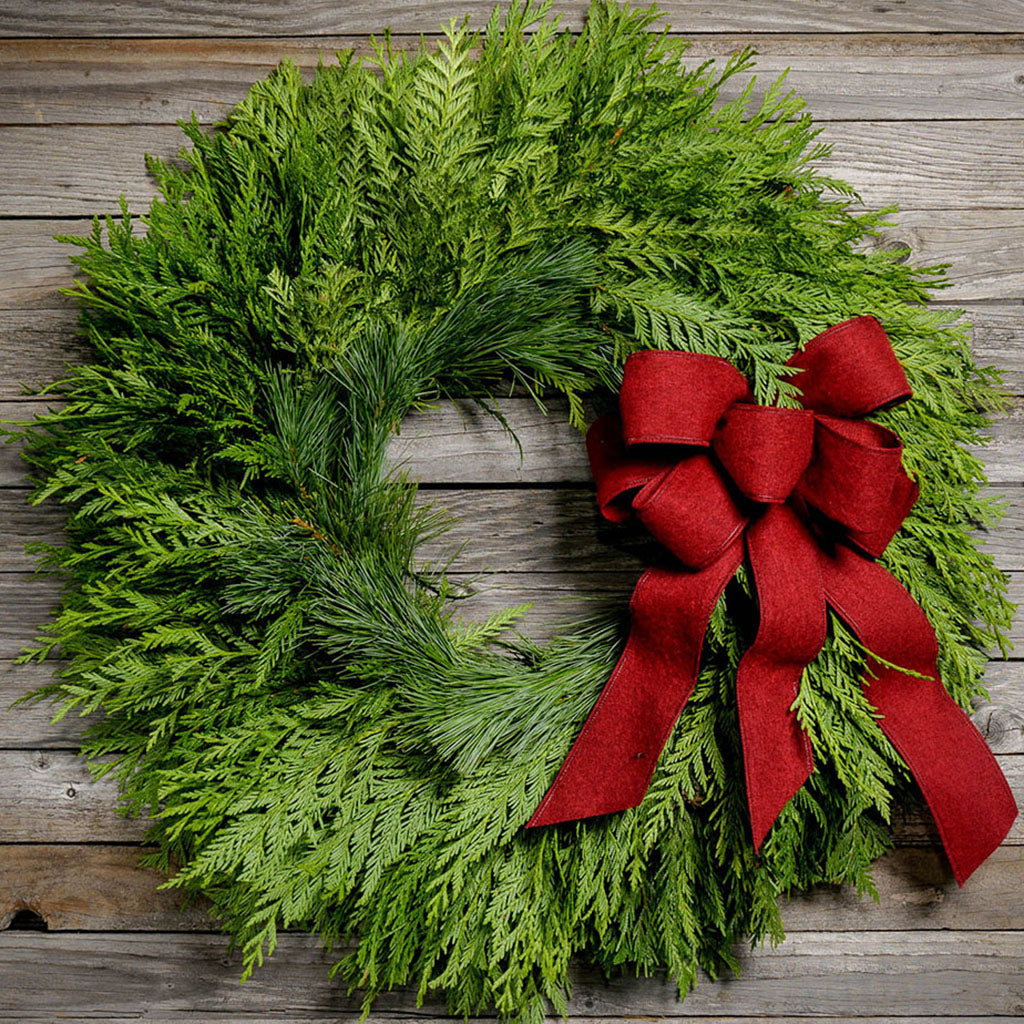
[[319, 738]]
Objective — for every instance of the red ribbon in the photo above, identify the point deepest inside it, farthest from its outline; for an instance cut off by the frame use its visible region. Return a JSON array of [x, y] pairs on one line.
[[811, 495]]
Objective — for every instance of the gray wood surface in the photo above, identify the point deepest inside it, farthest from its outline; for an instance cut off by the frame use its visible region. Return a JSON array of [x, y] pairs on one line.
[[79, 170], [50, 797], [558, 528], [100, 887], [89, 18], [37, 344], [835, 973], [924, 102], [158, 81], [984, 249], [459, 443]]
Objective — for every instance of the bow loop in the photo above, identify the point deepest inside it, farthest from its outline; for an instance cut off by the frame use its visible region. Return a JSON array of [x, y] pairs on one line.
[[849, 370], [691, 510], [857, 479], [619, 473], [676, 397], [765, 449]]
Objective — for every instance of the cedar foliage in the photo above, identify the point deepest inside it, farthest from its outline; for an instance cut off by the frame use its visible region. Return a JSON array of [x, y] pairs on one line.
[[321, 741]]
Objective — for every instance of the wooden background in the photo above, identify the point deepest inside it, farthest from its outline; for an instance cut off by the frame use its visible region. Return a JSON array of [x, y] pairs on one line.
[[924, 100]]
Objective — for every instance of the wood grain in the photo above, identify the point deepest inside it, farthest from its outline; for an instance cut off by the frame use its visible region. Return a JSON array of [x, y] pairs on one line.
[[376, 1018], [844, 974], [48, 796], [313, 1017], [925, 104], [984, 250], [97, 18], [512, 530], [36, 345], [80, 170], [95, 887], [30, 725], [159, 81], [457, 443], [557, 599]]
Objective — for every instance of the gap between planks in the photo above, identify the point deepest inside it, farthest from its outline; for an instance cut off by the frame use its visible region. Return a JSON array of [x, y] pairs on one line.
[[984, 250], [887, 78], [79, 170], [818, 973], [94, 887], [246, 19]]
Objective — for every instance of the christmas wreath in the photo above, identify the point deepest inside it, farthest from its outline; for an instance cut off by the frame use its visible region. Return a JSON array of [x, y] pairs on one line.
[[290, 693]]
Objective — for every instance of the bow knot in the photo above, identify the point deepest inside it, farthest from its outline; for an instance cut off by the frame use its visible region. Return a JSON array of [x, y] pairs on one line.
[[764, 449], [809, 496]]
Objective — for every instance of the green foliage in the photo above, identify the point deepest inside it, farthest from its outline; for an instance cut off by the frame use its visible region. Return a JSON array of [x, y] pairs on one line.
[[321, 742]]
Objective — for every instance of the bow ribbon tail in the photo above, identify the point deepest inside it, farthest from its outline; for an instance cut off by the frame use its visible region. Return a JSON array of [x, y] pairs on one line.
[[959, 777], [611, 763], [776, 751]]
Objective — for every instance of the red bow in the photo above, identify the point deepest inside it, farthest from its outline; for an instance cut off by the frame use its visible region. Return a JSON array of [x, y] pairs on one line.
[[809, 494]]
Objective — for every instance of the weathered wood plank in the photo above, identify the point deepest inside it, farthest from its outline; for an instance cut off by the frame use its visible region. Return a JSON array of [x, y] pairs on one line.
[[567, 596], [375, 1018], [79, 170], [158, 81], [813, 973], [558, 599], [96, 18], [32, 599], [984, 248], [511, 530], [30, 725], [523, 530], [95, 887], [33, 266], [465, 445], [458, 443], [917, 891], [48, 796], [37, 344], [1001, 719]]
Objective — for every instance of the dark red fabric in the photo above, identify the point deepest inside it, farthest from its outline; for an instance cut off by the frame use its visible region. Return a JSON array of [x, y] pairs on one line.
[[808, 494], [966, 792], [611, 762], [776, 752]]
